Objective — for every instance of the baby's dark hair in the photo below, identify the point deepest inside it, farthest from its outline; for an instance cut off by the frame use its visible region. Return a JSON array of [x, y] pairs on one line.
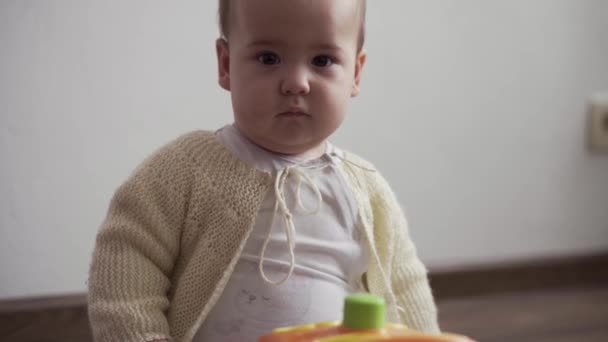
[[224, 20]]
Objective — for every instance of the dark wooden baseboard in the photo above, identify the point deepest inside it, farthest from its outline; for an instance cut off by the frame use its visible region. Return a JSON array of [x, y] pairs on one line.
[[78, 300], [531, 275], [550, 273]]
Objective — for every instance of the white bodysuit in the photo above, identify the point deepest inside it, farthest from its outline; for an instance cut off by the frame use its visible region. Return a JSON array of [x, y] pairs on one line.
[[329, 257]]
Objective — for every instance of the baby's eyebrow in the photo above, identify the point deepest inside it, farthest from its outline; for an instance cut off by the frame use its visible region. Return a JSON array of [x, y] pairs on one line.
[[271, 42], [278, 43], [264, 42], [328, 47]]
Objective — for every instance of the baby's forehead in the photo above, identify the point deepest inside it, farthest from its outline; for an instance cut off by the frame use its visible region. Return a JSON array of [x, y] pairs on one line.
[[317, 20], [319, 7]]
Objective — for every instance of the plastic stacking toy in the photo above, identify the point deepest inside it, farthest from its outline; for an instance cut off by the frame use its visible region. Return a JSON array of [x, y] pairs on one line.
[[363, 321]]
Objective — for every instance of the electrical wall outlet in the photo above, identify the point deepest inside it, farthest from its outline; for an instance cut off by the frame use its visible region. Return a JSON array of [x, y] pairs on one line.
[[598, 133]]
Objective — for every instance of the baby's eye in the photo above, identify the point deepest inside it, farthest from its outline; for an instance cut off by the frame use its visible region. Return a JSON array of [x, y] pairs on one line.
[[322, 61], [268, 58]]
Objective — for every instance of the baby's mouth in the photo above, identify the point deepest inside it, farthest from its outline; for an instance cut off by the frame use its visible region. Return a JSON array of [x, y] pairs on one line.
[[293, 113]]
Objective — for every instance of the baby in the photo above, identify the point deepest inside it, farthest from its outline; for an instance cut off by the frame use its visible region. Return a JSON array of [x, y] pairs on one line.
[[226, 235]]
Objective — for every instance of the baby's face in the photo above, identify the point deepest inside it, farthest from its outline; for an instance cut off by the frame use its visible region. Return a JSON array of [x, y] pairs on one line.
[[291, 67]]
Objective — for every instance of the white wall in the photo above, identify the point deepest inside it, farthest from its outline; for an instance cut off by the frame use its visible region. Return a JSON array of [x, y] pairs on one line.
[[473, 109]]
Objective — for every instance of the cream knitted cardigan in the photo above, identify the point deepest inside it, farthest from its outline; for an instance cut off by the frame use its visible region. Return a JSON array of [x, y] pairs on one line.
[[175, 230]]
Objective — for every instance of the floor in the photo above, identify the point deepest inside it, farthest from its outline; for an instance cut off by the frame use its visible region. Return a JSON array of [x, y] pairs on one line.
[[574, 315]]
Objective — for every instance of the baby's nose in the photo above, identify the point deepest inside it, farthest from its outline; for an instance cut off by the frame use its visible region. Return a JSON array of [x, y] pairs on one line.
[[295, 82]]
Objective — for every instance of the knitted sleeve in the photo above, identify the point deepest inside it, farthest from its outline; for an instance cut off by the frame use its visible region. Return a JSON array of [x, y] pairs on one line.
[[408, 275], [135, 251]]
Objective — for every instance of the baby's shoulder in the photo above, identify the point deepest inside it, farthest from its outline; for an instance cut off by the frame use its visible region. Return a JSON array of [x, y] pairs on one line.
[[175, 156], [190, 142], [185, 146], [366, 172], [358, 161]]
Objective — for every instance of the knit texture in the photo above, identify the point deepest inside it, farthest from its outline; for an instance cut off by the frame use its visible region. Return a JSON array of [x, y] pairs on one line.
[[175, 230]]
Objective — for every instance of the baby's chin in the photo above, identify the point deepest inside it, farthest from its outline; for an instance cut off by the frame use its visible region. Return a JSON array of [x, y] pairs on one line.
[[286, 142], [306, 150]]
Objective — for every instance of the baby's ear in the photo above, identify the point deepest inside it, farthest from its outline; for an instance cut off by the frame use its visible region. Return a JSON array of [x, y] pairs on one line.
[[359, 63], [223, 63]]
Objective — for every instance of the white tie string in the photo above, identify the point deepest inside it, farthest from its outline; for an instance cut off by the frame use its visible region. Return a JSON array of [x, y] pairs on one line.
[[290, 229]]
